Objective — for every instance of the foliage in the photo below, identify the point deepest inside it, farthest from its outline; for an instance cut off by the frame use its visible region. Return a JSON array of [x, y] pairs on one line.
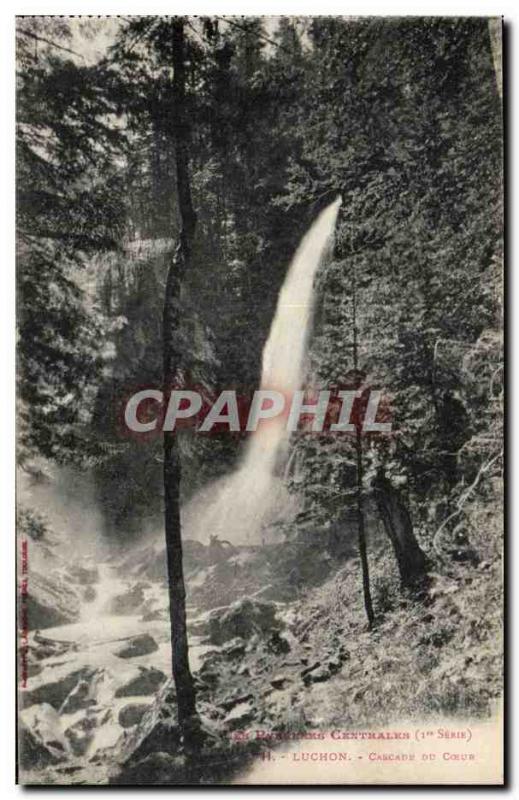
[[32, 524], [68, 209]]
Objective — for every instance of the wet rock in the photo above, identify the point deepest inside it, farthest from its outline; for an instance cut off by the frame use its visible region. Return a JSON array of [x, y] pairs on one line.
[[33, 753], [80, 697], [56, 692], [200, 625], [80, 735], [132, 714], [43, 647], [51, 601], [164, 735], [146, 682], [158, 730], [140, 645], [242, 619], [41, 741], [128, 602]]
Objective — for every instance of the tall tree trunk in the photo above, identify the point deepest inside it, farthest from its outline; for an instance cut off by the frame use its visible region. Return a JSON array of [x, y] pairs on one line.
[[363, 553], [185, 690], [410, 558]]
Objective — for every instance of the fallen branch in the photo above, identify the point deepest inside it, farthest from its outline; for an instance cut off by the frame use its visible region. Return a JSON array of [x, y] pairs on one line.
[[462, 500]]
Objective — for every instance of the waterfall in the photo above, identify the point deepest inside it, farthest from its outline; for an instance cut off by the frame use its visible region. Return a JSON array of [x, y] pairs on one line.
[[254, 496]]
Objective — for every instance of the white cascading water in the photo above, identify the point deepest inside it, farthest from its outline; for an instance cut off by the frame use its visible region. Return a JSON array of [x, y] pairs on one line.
[[254, 497]]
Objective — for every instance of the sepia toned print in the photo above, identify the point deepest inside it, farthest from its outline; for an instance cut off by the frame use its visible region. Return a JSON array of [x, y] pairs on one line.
[[260, 400]]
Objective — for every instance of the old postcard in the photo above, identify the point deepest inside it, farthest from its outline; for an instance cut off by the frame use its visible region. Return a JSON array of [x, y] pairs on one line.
[[260, 400]]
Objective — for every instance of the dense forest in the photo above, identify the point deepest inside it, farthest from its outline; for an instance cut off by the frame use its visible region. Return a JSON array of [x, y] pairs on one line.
[[188, 156]]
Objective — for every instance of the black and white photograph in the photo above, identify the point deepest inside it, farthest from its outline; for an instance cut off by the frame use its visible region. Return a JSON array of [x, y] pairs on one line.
[[259, 400]]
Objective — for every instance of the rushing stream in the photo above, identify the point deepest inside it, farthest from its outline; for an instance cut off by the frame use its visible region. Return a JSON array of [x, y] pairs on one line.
[[92, 644]]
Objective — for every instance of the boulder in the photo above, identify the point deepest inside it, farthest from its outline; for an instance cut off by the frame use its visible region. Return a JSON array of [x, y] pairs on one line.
[[50, 601], [132, 714], [140, 645], [44, 647], [41, 739], [148, 681], [158, 730], [55, 692], [201, 625], [242, 619], [33, 753], [81, 734], [82, 696]]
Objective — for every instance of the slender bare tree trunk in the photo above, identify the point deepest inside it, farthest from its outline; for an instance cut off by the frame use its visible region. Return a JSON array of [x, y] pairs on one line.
[[363, 553], [180, 262], [368, 604]]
